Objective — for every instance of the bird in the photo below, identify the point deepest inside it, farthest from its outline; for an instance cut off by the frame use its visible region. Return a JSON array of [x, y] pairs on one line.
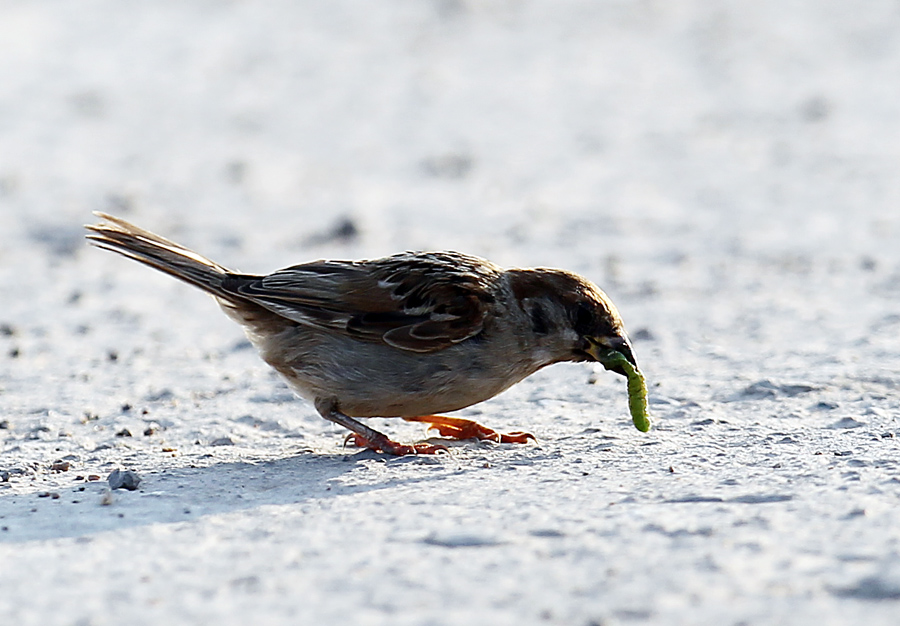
[[412, 336]]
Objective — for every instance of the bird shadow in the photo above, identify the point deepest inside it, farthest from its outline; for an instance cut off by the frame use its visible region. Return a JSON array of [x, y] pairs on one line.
[[178, 495]]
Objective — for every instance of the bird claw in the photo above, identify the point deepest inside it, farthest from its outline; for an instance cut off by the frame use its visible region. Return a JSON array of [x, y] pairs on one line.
[[516, 437], [392, 447], [460, 428], [450, 427]]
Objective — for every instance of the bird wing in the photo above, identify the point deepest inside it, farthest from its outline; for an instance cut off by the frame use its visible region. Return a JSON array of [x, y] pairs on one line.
[[420, 302]]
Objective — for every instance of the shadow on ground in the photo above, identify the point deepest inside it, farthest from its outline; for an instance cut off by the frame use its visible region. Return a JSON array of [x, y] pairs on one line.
[[185, 494]]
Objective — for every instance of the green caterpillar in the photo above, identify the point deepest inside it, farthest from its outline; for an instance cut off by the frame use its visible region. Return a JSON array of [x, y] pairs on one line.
[[637, 388]]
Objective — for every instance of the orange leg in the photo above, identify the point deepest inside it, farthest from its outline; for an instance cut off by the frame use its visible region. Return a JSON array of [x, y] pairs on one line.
[[383, 444], [459, 428], [366, 437]]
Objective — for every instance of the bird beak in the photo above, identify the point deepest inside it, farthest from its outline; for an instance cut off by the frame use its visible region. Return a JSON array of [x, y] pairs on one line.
[[602, 348]]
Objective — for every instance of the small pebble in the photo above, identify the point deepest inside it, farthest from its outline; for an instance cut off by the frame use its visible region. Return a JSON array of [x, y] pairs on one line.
[[124, 479], [61, 466], [124, 433]]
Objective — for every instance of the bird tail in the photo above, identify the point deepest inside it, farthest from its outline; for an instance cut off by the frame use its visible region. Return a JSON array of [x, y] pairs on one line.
[[167, 256]]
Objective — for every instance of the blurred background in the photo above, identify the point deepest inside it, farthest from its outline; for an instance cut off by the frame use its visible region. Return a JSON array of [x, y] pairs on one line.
[[504, 127]]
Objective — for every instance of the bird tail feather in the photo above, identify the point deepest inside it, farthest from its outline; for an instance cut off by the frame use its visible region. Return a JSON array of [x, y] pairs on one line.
[[121, 236]]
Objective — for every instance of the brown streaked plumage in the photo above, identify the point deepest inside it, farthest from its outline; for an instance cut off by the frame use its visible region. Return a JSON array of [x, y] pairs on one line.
[[409, 335]]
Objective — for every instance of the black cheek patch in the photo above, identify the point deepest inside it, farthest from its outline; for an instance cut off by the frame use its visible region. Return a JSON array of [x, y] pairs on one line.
[[539, 322]]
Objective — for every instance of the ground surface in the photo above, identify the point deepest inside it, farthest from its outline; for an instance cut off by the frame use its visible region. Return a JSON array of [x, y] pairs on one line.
[[726, 171]]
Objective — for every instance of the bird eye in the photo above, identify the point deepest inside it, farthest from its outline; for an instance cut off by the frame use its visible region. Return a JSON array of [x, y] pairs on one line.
[[539, 322], [584, 318]]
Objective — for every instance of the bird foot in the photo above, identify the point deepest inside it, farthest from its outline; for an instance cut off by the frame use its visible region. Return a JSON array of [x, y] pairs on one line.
[[383, 444], [460, 428]]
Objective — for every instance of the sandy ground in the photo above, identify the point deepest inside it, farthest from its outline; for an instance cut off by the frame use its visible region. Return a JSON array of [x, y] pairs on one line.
[[727, 171]]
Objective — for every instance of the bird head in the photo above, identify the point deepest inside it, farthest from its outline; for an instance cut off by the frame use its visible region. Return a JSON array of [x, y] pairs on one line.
[[573, 316]]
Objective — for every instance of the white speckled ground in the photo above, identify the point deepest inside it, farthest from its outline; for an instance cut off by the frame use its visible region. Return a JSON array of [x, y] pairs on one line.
[[726, 171]]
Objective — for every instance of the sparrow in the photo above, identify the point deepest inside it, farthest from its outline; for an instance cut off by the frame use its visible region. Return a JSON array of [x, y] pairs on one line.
[[411, 335]]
